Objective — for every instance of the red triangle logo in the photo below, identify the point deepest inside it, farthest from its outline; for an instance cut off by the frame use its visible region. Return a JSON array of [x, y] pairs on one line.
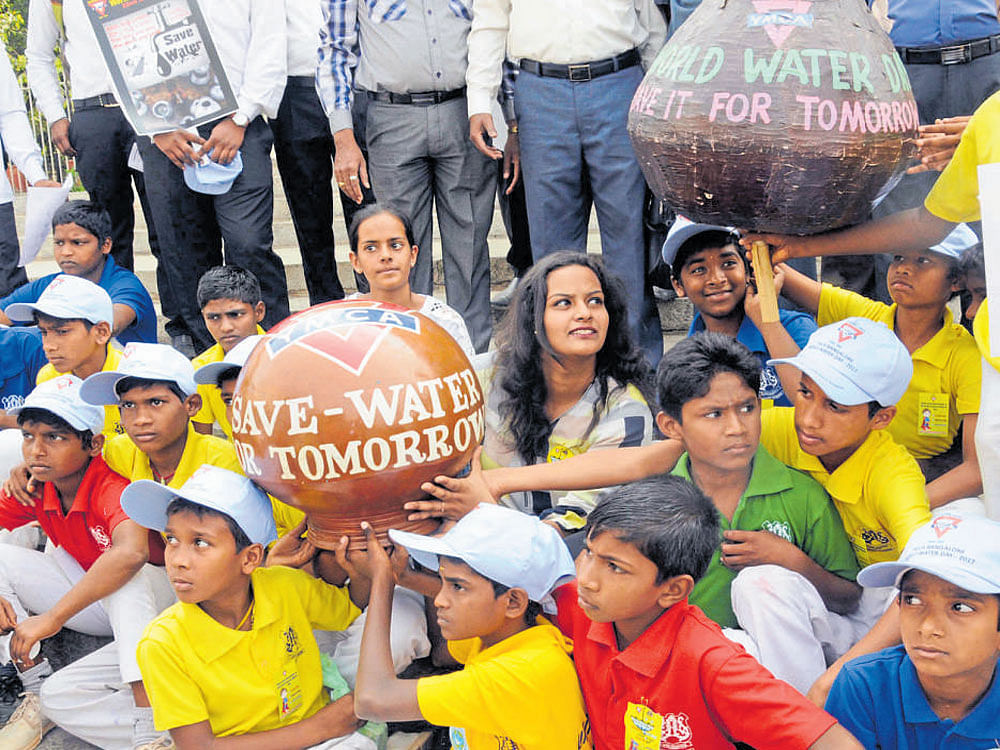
[[779, 32]]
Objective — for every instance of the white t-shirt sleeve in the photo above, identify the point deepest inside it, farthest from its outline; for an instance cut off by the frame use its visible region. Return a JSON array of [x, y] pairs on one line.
[[449, 320]]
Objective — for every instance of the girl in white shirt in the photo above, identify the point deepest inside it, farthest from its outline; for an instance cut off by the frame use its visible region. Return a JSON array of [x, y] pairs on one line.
[[383, 251]]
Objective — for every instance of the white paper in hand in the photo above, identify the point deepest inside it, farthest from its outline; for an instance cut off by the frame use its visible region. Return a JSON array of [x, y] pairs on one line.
[[989, 208], [39, 209]]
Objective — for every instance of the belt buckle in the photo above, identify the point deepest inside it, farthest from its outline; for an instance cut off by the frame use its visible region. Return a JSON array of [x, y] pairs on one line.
[[580, 73], [956, 55], [106, 100], [423, 98]]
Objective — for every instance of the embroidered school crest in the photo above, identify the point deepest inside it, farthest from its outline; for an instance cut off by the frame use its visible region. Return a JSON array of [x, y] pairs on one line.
[[337, 336], [291, 642]]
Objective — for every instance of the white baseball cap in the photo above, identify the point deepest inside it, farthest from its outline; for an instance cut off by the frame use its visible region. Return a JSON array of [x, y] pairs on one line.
[[224, 491], [959, 239], [61, 396], [507, 546], [684, 229], [146, 361], [210, 177], [855, 361], [237, 357], [67, 297], [962, 550]]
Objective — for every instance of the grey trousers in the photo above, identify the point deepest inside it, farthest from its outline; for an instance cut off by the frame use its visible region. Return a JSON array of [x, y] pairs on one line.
[[419, 156]]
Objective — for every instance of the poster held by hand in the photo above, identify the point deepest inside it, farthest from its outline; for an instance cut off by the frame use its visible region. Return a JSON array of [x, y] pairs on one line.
[[166, 71]]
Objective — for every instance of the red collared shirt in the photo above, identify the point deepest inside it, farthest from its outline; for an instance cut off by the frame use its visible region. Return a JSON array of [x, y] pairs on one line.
[[682, 685], [84, 532]]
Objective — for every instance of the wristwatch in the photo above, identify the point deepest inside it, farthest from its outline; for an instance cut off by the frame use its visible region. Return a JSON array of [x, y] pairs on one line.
[[241, 119]]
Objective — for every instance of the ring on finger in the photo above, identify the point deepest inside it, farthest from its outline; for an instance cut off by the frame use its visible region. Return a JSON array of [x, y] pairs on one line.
[[353, 178]]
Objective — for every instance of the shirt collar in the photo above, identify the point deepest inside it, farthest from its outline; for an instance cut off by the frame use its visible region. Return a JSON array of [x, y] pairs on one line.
[[768, 476], [109, 268], [981, 723], [748, 334], [211, 640], [939, 348], [81, 503], [543, 630], [845, 482], [650, 651]]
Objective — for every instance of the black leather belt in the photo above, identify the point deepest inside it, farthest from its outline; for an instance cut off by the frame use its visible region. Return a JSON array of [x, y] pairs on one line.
[[952, 55], [422, 98], [301, 82], [582, 72], [93, 102]]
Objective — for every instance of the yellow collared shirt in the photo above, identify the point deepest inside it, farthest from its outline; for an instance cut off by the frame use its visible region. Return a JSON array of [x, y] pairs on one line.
[[242, 682], [112, 417], [879, 490], [981, 330], [946, 371], [212, 407], [125, 457], [522, 692]]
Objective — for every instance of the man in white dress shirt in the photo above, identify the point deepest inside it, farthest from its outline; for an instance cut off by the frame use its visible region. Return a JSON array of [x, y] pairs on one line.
[[251, 41], [97, 134], [18, 143], [580, 63]]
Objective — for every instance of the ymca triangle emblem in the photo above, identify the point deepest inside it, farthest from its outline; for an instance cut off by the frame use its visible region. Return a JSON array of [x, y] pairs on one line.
[[779, 18]]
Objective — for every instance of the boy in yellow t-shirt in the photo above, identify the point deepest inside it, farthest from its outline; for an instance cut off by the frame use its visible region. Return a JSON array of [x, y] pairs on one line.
[[943, 394], [236, 655], [231, 305], [75, 317], [519, 687]]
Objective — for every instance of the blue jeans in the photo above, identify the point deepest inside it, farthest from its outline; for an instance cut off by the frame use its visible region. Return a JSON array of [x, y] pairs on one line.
[[576, 152]]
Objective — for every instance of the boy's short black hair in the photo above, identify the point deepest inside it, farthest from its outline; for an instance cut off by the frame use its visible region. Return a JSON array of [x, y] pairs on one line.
[[35, 415], [41, 317], [374, 210], [902, 581], [700, 241], [230, 373], [228, 282], [180, 505], [973, 261], [87, 215], [127, 384], [669, 520], [687, 370], [531, 612]]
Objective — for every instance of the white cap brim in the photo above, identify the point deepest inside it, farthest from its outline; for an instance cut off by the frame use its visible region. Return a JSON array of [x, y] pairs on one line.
[[675, 239], [61, 409], [834, 384], [99, 389], [424, 549], [891, 573], [209, 374], [24, 312]]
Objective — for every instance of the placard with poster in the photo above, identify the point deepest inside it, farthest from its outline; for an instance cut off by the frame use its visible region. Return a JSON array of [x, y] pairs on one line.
[[165, 68]]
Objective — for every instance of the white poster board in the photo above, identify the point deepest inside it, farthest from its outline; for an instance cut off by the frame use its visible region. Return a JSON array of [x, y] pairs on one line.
[[989, 204]]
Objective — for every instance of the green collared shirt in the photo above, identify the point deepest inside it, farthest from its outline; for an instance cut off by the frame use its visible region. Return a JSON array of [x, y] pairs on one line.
[[786, 503]]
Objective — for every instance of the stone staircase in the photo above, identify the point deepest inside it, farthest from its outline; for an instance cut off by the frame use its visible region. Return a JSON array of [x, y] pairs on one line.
[[675, 315]]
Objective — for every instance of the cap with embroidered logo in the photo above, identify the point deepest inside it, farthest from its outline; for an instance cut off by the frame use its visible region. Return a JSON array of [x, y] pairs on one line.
[[855, 361], [221, 490], [67, 297], [236, 357], [504, 545], [146, 361], [61, 396], [962, 550]]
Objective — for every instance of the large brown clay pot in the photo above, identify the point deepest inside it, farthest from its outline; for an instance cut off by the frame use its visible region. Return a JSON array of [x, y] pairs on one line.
[[778, 115], [343, 410]]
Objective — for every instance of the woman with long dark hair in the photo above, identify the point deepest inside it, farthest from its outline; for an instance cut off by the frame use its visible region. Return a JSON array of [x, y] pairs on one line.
[[565, 379]]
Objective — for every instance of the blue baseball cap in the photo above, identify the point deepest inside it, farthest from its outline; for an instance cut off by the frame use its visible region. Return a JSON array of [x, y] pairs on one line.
[[855, 361], [504, 545], [684, 229], [962, 550], [224, 491], [959, 239], [61, 396], [212, 178], [237, 357]]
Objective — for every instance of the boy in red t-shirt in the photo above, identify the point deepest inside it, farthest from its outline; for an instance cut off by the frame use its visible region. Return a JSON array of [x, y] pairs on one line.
[[96, 580], [655, 671]]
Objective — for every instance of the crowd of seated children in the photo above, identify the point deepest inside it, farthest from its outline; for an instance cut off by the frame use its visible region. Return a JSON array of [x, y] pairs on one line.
[[81, 244]]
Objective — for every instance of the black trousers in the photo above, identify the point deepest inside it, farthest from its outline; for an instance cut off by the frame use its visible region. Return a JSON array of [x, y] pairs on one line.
[[103, 139], [11, 275], [304, 149], [193, 227]]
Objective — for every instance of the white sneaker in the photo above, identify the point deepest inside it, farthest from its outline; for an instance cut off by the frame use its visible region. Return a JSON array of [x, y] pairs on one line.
[[26, 726]]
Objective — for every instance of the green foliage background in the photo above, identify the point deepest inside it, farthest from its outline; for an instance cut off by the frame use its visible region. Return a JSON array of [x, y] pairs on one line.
[[13, 15]]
